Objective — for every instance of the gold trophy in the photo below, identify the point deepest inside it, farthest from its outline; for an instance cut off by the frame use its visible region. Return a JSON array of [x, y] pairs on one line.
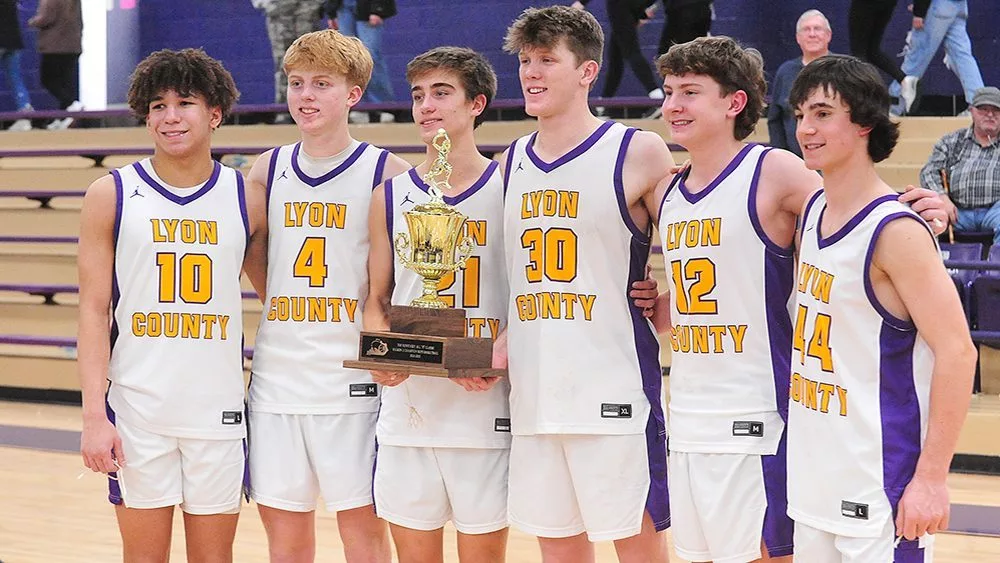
[[428, 337]]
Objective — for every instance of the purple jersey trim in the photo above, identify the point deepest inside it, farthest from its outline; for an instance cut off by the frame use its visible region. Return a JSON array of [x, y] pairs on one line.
[[575, 152], [380, 168], [114, 489], [115, 288], [778, 526], [854, 222], [899, 411], [506, 169], [779, 282], [752, 209], [909, 551], [469, 192], [389, 204], [241, 194], [733, 164], [888, 317], [270, 174], [803, 220], [179, 200], [673, 183], [314, 182], [620, 187], [647, 349]]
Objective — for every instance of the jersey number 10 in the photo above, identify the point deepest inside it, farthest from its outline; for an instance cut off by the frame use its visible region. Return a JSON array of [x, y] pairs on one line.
[[190, 277]]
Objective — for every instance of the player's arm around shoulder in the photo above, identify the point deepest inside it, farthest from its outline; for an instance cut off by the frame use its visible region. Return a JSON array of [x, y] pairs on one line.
[[906, 257], [648, 163], [255, 261], [99, 443], [784, 187]]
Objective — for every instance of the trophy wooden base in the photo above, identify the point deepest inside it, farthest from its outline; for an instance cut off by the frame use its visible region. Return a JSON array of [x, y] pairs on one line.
[[426, 342]]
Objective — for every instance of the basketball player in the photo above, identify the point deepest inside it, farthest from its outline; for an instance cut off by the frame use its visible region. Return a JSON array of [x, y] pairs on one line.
[[588, 459], [443, 448], [882, 361], [162, 242], [727, 224], [312, 422]]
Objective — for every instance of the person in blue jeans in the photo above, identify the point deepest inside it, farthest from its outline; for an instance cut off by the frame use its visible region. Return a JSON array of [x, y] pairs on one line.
[[970, 159], [936, 22], [10, 59], [365, 19]]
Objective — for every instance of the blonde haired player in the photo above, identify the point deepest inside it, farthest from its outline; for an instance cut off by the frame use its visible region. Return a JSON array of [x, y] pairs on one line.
[[162, 243], [312, 422]]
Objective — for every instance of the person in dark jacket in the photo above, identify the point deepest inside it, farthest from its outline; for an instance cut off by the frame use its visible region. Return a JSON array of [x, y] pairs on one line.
[[60, 34], [10, 59], [683, 21], [866, 23], [625, 17], [365, 19]]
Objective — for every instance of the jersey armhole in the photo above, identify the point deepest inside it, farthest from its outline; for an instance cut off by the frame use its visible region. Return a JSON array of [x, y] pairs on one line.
[[119, 202], [270, 177], [673, 184], [620, 189], [758, 228], [380, 168], [506, 168], [389, 201], [888, 317], [241, 194]]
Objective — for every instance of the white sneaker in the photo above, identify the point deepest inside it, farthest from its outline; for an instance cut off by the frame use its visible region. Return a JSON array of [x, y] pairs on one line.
[[386, 117], [21, 125], [908, 91], [64, 123]]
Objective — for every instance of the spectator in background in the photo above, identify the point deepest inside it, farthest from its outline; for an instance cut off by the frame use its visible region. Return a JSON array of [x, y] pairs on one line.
[[286, 21], [365, 19], [683, 21], [934, 22], [813, 34], [10, 59], [625, 16], [866, 23], [970, 158], [60, 36]]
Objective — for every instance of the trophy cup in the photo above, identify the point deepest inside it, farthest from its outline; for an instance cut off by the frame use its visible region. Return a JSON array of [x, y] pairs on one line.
[[428, 337]]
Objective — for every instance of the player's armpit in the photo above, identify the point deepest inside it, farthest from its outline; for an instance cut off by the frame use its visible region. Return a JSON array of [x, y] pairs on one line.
[[648, 163], [255, 260], [380, 265]]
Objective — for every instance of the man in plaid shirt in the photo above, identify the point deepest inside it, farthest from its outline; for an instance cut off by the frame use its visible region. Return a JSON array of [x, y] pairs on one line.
[[970, 160]]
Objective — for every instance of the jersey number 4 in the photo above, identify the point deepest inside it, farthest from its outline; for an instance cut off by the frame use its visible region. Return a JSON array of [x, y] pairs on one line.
[[819, 344], [311, 261], [190, 277]]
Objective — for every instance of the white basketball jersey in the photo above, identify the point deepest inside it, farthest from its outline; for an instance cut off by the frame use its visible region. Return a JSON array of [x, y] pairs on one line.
[[583, 359], [317, 281], [177, 334], [731, 336], [861, 380], [432, 411]]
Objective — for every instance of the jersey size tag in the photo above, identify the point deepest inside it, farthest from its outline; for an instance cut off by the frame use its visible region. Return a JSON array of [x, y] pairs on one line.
[[501, 425], [364, 390], [854, 510], [616, 410], [753, 428], [232, 417]]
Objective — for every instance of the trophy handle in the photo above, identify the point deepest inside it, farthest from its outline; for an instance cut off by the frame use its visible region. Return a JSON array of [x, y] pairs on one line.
[[463, 250], [401, 244]]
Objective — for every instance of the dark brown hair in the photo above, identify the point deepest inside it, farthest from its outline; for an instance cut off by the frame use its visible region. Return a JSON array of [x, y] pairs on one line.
[[544, 27], [187, 72], [475, 72]]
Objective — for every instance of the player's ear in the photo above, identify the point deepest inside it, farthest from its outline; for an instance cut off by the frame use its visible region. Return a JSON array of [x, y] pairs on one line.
[[590, 70], [354, 95], [478, 104], [216, 117], [864, 131], [737, 102]]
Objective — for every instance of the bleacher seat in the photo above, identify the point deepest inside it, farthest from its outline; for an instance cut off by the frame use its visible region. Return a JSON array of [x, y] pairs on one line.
[[993, 256], [962, 277]]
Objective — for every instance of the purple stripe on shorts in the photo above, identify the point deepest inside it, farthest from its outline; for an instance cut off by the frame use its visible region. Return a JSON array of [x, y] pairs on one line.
[[778, 526], [909, 551], [900, 411], [648, 355], [114, 490]]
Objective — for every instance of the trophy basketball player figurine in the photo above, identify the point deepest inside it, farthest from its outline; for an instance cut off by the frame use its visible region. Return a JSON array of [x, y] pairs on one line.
[[428, 337]]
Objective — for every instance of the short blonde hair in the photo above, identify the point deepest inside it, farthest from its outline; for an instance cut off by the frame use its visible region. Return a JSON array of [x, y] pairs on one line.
[[329, 50]]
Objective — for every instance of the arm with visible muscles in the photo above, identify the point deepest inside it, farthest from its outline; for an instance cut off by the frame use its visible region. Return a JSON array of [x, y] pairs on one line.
[[100, 444], [255, 261], [910, 261]]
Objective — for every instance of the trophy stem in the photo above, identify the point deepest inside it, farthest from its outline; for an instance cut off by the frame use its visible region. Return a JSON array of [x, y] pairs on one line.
[[430, 299]]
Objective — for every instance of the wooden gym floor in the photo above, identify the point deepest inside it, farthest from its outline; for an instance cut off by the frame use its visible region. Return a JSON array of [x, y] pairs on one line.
[[53, 510]]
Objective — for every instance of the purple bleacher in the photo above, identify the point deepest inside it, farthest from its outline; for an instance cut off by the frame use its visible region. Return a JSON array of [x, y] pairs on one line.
[[986, 297], [42, 197], [50, 290], [993, 256], [38, 240], [962, 251], [63, 341]]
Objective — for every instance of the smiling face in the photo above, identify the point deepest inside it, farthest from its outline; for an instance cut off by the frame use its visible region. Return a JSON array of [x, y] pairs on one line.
[[696, 111], [319, 99], [551, 78], [181, 125], [825, 131], [813, 36], [440, 101]]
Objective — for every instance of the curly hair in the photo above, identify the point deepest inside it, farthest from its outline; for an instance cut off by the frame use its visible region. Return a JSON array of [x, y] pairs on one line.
[[861, 89], [544, 27], [475, 72], [186, 72], [729, 64]]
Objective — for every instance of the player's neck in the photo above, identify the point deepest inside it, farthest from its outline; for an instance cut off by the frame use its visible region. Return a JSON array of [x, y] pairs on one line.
[[183, 171], [562, 132], [467, 164], [708, 161], [850, 186], [326, 143]]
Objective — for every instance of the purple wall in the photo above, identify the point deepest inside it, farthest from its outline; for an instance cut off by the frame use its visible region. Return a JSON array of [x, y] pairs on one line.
[[234, 32]]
